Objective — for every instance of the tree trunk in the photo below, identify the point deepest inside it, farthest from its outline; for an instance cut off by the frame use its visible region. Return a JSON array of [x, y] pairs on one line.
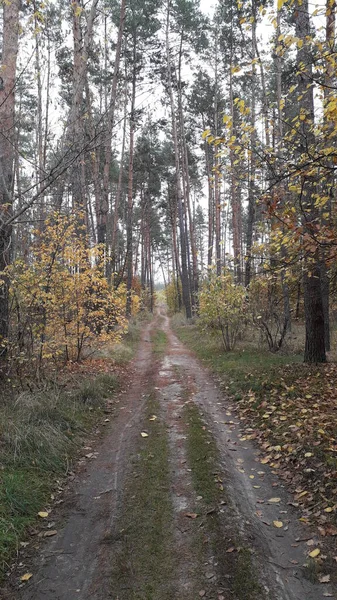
[[313, 305], [120, 182], [235, 191], [129, 265], [330, 80], [7, 153], [183, 245], [108, 136]]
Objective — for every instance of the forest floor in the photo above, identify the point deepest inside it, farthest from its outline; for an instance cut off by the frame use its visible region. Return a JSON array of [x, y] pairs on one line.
[[178, 501]]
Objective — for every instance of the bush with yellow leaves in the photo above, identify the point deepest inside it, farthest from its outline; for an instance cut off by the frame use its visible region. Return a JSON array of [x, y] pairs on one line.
[[222, 307], [61, 301]]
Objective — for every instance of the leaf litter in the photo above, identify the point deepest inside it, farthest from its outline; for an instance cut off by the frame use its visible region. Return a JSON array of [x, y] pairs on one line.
[[293, 418]]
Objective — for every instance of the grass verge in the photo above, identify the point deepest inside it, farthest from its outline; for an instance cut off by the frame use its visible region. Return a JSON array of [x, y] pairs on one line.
[[241, 370], [41, 432], [143, 564], [236, 569]]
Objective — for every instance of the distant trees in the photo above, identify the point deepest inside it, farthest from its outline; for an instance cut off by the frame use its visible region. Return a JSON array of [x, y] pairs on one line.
[[179, 144]]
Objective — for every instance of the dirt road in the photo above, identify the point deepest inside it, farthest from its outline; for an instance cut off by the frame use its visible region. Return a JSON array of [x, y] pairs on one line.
[[174, 505]]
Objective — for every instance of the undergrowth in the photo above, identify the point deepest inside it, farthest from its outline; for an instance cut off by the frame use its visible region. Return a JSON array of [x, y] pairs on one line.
[[244, 369], [41, 431]]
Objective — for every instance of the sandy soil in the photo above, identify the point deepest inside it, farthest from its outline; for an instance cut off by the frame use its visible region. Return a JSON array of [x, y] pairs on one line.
[[76, 563]]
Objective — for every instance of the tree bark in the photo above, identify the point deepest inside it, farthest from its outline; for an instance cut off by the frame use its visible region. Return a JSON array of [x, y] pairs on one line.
[[312, 282], [108, 136], [184, 271], [129, 264], [7, 154]]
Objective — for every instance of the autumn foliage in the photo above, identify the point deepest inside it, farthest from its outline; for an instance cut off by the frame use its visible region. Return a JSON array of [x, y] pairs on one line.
[[223, 307], [61, 302]]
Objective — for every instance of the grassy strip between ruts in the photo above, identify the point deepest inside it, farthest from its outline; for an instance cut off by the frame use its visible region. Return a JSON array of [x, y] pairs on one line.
[[159, 342], [143, 567], [290, 410], [236, 570], [40, 433]]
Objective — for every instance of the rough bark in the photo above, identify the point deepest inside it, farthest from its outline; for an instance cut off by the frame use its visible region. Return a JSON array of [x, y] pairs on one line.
[[7, 152], [184, 270], [313, 305], [129, 264], [103, 211]]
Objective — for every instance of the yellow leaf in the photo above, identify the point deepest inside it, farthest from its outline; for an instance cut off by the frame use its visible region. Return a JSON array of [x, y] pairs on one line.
[[153, 418], [314, 553], [274, 500], [43, 514], [302, 494], [26, 576], [278, 524], [308, 454], [280, 4], [143, 434], [329, 509]]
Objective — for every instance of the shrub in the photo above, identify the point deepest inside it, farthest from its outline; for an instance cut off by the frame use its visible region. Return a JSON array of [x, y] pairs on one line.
[[267, 310], [223, 306]]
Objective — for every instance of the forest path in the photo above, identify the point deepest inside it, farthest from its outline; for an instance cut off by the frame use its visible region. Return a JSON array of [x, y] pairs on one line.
[[176, 506]]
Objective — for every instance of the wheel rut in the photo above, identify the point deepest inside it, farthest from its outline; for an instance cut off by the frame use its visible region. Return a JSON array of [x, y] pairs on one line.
[[218, 543]]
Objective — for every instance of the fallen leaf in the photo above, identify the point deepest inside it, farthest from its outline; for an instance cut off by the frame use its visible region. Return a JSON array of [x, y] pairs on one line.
[[202, 593], [191, 515], [324, 578], [314, 553], [26, 577], [143, 434], [43, 514], [329, 509], [274, 500], [153, 418], [278, 524], [310, 543], [301, 495], [231, 549], [50, 533]]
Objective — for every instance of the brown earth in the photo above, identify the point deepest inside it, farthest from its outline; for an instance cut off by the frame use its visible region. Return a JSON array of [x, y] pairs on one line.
[[76, 563]]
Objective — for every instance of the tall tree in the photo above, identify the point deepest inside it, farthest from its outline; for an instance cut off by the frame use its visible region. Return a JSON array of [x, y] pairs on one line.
[[10, 37], [312, 284]]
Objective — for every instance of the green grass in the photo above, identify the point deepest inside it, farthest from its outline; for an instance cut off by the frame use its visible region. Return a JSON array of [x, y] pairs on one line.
[[159, 342], [143, 562], [237, 567], [242, 370], [40, 434], [202, 455]]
